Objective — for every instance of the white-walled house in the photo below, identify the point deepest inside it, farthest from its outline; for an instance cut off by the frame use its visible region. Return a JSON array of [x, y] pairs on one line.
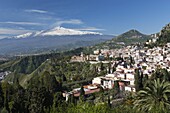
[[96, 80], [132, 82], [158, 58], [130, 76], [106, 82], [130, 88]]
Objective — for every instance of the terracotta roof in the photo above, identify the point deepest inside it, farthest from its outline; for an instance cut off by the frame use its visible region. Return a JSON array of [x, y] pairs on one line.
[[87, 92]]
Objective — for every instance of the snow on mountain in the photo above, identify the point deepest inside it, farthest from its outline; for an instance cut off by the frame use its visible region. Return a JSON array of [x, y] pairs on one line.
[[57, 31], [38, 33], [64, 31], [23, 35]]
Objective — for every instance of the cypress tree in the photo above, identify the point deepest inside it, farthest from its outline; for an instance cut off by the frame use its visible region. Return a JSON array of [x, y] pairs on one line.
[[18, 103], [82, 93], [116, 86], [1, 97], [102, 93], [108, 100], [6, 89], [138, 79]]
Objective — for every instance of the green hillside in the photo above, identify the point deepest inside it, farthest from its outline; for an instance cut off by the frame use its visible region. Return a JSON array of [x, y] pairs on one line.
[[28, 68], [164, 36], [125, 39], [57, 65], [161, 38], [25, 64]]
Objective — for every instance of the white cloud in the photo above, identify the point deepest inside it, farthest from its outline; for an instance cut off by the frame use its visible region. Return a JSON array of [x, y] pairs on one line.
[[71, 21], [9, 31], [36, 11], [91, 29], [76, 22], [23, 23]]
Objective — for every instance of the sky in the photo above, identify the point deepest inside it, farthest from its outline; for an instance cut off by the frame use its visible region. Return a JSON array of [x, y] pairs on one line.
[[106, 16]]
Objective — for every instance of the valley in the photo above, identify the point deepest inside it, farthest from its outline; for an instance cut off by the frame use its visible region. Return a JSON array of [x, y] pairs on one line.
[[86, 56]]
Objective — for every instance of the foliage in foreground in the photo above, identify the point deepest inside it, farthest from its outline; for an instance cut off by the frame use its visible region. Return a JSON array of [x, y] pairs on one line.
[[154, 97]]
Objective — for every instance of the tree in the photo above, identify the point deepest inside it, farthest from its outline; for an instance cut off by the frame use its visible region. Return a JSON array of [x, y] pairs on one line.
[[101, 93], [108, 100], [50, 82], [40, 99], [58, 100], [141, 80], [131, 60], [138, 79], [125, 76], [82, 93], [35, 101], [116, 86], [109, 68], [6, 91], [1, 97], [17, 104], [153, 97], [163, 74], [71, 99], [4, 110], [113, 69], [145, 80], [101, 66]]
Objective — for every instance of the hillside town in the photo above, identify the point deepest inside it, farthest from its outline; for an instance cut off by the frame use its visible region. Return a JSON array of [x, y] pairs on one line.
[[125, 61], [84, 56]]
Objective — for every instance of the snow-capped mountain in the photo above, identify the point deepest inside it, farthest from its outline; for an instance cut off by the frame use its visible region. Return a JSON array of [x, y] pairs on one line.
[[57, 31], [58, 38], [64, 31], [23, 35]]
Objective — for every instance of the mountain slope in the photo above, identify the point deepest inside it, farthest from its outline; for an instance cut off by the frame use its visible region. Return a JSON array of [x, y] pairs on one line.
[[130, 35], [164, 36], [63, 31], [57, 31], [53, 39], [125, 39], [30, 67]]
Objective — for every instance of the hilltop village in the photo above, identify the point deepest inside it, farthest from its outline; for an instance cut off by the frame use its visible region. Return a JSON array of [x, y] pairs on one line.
[[124, 64]]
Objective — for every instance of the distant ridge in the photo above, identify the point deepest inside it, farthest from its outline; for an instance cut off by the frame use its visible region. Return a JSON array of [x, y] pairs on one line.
[[58, 39], [131, 34], [130, 37]]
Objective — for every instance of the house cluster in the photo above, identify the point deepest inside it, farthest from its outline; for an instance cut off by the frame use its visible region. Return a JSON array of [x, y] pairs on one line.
[[88, 89], [156, 36], [96, 57], [130, 58], [4, 74], [148, 60], [124, 75]]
